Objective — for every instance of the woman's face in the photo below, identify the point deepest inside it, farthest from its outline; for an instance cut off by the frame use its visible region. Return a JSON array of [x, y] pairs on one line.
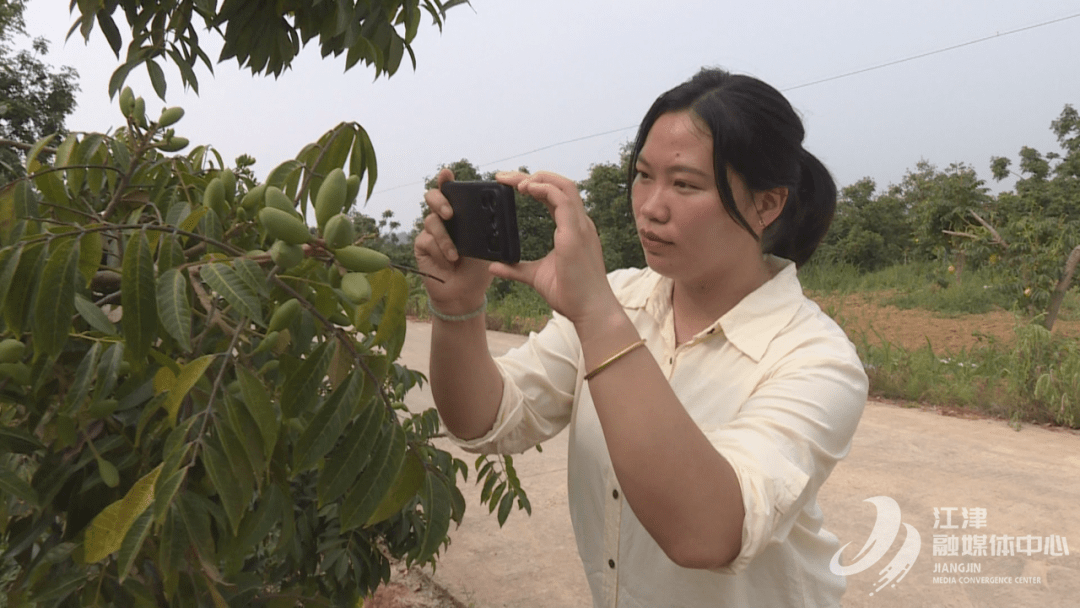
[[684, 229]]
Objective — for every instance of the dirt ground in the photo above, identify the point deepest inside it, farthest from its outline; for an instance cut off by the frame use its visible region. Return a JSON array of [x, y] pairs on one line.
[[863, 314]]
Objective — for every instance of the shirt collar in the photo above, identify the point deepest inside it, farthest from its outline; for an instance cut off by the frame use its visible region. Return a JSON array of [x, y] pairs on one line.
[[752, 323]]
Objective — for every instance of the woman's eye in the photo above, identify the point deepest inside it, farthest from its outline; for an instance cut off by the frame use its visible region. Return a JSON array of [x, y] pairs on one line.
[[685, 185], [638, 173]]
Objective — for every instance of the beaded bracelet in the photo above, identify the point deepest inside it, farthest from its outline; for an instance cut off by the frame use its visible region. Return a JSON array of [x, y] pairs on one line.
[[619, 355], [464, 317]]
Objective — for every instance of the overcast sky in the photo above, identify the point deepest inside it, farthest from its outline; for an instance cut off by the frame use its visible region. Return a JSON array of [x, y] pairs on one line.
[[507, 77]]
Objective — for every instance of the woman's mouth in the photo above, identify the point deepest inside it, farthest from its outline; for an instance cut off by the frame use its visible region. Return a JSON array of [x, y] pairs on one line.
[[649, 237]]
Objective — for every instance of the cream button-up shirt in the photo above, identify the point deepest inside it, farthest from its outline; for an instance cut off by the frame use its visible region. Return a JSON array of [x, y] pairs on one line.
[[776, 387]]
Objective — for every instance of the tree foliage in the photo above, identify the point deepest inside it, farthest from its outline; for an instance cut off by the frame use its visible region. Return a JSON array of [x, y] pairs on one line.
[[35, 99], [262, 36], [608, 204], [200, 395]]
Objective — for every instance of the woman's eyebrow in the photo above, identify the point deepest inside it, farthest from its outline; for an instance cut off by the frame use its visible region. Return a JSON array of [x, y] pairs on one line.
[[675, 168]]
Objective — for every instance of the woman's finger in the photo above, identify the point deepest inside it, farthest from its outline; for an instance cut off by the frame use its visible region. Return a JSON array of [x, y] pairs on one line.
[[522, 272], [433, 225]]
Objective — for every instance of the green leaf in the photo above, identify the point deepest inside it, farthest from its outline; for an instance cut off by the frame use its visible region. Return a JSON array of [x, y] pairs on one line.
[[174, 308], [185, 381], [436, 501], [19, 292], [93, 315], [13, 485], [138, 296], [232, 497], [407, 484], [14, 439], [352, 455], [59, 588], [157, 77], [258, 404], [191, 221], [324, 429], [35, 151], [253, 276], [132, 543], [504, 507], [51, 186], [302, 386], [247, 433], [55, 303], [90, 248], [108, 371], [170, 251], [391, 332], [9, 263], [388, 456], [106, 532], [224, 280], [242, 473], [166, 492]]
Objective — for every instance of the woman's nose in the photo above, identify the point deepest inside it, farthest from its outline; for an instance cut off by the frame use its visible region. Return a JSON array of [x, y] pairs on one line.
[[651, 204]]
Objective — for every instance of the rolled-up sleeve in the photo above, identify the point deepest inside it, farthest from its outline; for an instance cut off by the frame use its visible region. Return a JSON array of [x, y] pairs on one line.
[[539, 381], [796, 425]]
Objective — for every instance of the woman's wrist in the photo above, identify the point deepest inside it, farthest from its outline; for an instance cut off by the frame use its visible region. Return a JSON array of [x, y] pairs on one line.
[[440, 314], [456, 308]]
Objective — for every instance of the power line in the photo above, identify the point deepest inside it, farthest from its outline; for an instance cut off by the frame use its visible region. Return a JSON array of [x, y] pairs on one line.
[[929, 53], [791, 88]]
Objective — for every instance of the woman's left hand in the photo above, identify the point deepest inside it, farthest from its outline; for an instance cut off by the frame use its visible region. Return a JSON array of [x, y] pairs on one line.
[[571, 278]]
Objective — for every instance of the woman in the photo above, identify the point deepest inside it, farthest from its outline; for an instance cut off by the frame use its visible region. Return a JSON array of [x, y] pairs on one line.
[[707, 398]]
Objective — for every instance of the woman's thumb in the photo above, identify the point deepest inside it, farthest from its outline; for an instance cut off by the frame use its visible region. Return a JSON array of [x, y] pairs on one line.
[[522, 272]]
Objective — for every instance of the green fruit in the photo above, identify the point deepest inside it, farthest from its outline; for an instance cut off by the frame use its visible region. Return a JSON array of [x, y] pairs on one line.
[[254, 198], [270, 366], [173, 145], [18, 372], [361, 259], [285, 255], [284, 315], [214, 197], [229, 179], [339, 319], [331, 197], [127, 101], [138, 113], [170, 116], [103, 408], [277, 199], [356, 287], [109, 474], [352, 189], [11, 350], [269, 341], [339, 232], [285, 226]]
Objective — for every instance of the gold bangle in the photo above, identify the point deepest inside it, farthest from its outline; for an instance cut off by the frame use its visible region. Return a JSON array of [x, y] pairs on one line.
[[619, 355]]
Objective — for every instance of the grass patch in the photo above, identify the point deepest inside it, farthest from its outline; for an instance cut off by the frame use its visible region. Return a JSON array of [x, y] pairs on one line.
[[1034, 379]]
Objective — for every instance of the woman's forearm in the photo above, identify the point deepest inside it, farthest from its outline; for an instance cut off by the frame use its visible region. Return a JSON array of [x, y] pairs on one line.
[[465, 382]]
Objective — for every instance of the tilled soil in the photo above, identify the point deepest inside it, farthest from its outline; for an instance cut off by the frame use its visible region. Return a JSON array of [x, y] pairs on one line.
[[864, 317]]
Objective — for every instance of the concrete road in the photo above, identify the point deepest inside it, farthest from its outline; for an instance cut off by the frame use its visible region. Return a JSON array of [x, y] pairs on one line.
[[1006, 530]]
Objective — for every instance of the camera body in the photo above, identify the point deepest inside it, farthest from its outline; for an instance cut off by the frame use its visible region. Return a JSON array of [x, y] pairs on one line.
[[484, 224]]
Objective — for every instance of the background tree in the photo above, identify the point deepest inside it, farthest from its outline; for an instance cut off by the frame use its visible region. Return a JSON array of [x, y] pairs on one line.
[[608, 204], [35, 99], [870, 231], [1032, 230], [200, 400]]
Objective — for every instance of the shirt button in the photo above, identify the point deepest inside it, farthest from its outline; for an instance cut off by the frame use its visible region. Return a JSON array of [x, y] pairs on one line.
[[615, 494], [611, 563]]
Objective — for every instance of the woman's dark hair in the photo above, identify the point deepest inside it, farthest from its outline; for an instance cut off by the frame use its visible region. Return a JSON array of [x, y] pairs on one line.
[[757, 133]]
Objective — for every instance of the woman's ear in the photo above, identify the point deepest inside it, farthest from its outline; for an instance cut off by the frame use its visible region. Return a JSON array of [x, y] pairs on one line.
[[770, 204]]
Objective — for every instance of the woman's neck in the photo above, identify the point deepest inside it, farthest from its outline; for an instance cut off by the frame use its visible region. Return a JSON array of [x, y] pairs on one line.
[[697, 305]]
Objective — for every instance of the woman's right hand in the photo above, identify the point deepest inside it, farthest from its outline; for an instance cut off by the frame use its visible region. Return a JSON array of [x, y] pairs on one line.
[[464, 279]]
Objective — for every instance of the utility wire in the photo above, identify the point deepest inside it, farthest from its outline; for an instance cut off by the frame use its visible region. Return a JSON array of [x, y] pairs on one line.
[[791, 88]]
